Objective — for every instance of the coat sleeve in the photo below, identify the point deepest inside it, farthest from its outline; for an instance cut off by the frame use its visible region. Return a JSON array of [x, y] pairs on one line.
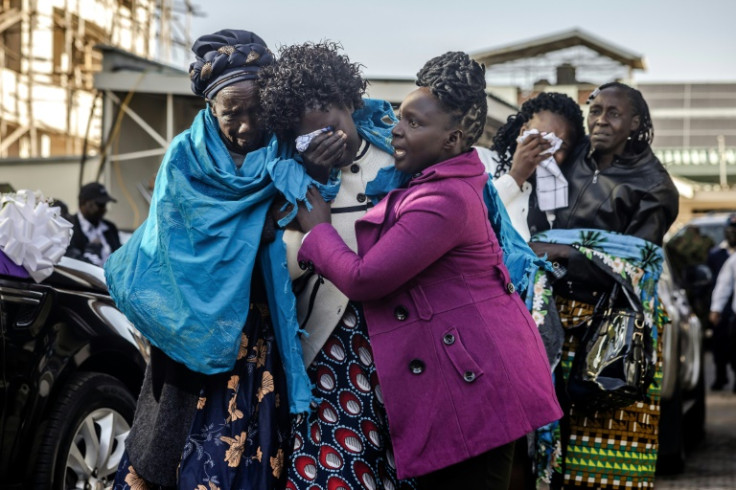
[[112, 235], [516, 201], [657, 211], [724, 286], [508, 190], [427, 227]]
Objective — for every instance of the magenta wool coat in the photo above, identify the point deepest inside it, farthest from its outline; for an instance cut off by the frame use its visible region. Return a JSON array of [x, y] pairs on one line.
[[460, 362]]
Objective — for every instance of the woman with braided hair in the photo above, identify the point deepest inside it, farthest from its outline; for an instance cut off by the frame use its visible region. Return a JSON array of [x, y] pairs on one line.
[[621, 203], [523, 144], [460, 362]]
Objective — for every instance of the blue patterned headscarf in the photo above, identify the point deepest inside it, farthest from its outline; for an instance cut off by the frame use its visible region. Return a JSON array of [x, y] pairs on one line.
[[226, 57]]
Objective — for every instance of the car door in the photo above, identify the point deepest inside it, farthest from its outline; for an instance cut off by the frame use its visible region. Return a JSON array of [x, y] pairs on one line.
[[23, 308]]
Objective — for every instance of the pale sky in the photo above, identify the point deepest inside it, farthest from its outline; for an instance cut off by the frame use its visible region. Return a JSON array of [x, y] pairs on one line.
[[680, 40]]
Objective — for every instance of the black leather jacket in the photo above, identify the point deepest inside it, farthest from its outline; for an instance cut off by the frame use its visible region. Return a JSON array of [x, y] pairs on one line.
[[635, 196]]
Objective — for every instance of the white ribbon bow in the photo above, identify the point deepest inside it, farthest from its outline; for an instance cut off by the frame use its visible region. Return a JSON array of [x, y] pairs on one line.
[[32, 234]]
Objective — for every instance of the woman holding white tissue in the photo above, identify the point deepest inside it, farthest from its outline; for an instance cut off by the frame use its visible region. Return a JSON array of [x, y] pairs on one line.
[[312, 97], [543, 133], [535, 141]]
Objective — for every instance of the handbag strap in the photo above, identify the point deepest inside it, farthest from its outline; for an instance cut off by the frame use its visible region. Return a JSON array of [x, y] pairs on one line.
[[609, 300], [633, 300]]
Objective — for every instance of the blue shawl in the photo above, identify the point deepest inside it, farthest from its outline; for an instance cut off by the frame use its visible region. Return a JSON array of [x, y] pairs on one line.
[[183, 278], [520, 260]]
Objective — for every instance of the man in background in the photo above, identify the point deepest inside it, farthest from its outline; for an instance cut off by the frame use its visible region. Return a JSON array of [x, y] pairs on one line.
[[721, 310], [94, 238]]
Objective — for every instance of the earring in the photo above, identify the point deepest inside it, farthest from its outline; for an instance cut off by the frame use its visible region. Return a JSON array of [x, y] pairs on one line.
[[629, 138]]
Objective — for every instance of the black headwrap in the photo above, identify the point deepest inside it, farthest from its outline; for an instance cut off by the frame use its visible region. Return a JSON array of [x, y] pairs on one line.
[[226, 57]]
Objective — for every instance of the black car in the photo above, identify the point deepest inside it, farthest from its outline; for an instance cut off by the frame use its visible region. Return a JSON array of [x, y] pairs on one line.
[[684, 289], [71, 368], [682, 416]]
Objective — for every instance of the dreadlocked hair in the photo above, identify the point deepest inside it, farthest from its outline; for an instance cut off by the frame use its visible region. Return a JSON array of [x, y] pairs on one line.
[[459, 83], [642, 137], [504, 141], [309, 76]]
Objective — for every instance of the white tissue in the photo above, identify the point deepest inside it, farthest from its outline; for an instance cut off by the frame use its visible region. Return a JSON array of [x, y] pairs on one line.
[[302, 142]]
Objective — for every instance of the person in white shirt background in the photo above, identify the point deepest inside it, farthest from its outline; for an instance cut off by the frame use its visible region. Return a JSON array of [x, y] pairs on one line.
[[548, 126], [722, 262], [94, 238]]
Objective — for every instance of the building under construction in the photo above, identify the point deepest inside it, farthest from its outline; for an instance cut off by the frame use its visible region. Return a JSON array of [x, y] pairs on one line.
[[49, 107], [52, 133]]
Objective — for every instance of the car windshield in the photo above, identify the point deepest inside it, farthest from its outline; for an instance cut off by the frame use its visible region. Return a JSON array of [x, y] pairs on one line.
[[714, 231]]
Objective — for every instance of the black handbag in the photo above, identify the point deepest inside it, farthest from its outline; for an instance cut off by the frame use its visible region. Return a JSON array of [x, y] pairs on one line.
[[615, 361]]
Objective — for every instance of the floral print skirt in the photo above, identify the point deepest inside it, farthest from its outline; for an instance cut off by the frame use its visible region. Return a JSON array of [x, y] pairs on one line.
[[343, 442], [242, 429]]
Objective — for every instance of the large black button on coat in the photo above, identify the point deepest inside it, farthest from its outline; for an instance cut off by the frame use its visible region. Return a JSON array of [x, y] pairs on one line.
[[401, 313], [416, 366]]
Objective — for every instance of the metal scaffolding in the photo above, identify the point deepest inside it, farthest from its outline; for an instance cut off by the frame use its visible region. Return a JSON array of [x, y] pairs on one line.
[[48, 104]]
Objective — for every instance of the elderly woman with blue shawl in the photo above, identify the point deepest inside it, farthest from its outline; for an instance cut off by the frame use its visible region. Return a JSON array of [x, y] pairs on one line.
[[201, 283], [621, 203]]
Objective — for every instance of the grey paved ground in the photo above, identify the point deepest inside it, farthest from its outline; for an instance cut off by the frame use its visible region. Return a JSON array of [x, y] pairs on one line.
[[712, 465]]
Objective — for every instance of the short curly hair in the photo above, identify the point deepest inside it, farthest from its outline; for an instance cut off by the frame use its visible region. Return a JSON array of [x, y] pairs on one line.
[[307, 76], [459, 82], [504, 142]]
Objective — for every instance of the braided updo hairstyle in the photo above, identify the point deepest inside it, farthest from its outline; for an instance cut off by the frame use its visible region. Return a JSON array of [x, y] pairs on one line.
[[309, 76], [504, 141], [459, 82], [642, 137]]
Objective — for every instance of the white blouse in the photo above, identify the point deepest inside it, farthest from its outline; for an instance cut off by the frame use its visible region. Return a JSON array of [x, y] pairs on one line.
[[514, 198]]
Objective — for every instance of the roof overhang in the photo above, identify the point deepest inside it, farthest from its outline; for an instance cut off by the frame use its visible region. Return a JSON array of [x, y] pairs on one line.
[[556, 42], [123, 71]]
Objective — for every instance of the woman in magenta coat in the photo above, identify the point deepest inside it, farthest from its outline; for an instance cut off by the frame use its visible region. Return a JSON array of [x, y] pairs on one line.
[[459, 359]]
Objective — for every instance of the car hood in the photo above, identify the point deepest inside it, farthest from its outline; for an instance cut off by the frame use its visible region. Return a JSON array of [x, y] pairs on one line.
[[78, 275]]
